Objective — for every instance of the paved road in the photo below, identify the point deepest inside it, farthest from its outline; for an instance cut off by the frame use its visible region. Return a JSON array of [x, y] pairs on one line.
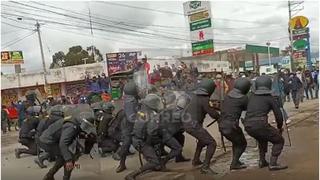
[[302, 157]]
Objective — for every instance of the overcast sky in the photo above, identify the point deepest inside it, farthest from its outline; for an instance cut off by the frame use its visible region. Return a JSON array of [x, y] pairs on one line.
[[119, 26]]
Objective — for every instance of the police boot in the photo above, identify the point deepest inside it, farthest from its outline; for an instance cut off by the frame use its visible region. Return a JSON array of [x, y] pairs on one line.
[[235, 165], [41, 159], [17, 153], [181, 158], [133, 175], [48, 177], [274, 166], [205, 169], [122, 165], [196, 159], [263, 162]]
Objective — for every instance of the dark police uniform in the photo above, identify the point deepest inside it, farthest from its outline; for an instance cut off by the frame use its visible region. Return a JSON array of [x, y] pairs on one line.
[[233, 105], [193, 122], [148, 133], [27, 136], [131, 107], [61, 139], [257, 126]]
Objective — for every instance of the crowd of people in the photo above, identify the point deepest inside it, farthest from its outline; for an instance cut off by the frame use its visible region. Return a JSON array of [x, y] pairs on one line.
[[150, 122]]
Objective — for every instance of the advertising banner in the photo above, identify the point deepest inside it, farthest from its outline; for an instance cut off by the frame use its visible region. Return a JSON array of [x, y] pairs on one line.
[[121, 62], [11, 57]]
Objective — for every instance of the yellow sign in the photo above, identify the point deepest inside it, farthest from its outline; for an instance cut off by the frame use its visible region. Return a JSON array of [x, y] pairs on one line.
[[11, 57], [199, 16], [299, 22]]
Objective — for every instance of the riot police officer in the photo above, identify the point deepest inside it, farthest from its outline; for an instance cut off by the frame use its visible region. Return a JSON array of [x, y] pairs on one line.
[[131, 107], [171, 119], [234, 103], [193, 122], [148, 133], [28, 131], [106, 143], [55, 113], [61, 139], [257, 126]]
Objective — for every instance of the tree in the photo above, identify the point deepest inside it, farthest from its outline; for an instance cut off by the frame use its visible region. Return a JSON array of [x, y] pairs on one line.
[[75, 56], [58, 60], [98, 56]]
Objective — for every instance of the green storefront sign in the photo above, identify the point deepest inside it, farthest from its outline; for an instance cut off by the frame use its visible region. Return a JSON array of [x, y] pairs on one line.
[[202, 45], [200, 24], [300, 31], [262, 49], [300, 44]]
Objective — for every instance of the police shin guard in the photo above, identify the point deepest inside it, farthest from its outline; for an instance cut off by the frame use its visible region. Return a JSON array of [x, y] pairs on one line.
[[122, 165], [274, 166]]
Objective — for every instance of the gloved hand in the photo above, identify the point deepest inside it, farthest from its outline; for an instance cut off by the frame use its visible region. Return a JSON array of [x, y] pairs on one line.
[[69, 165]]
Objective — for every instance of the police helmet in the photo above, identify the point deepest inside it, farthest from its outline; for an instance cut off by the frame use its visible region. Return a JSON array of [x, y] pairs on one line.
[[154, 102], [242, 84], [34, 110], [263, 85], [57, 110], [131, 88], [207, 86], [169, 98], [183, 101], [107, 107]]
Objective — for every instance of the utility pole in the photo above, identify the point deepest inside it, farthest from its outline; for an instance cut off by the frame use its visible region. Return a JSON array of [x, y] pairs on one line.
[[291, 38], [93, 49], [269, 56], [42, 54]]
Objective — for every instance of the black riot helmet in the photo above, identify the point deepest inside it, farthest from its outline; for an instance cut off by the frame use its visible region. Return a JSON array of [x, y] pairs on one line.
[[56, 110], [153, 102], [107, 107], [242, 84], [169, 98], [263, 85], [206, 87], [131, 89], [34, 110], [183, 101]]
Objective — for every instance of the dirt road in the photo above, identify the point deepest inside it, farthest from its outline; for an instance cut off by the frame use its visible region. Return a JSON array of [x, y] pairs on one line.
[[302, 157]]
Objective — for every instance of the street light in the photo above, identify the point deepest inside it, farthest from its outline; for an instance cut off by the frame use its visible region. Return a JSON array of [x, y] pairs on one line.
[[268, 44]]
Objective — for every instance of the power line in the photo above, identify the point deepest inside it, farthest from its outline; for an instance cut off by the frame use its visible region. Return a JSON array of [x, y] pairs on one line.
[[16, 41], [171, 12], [14, 25], [118, 32]]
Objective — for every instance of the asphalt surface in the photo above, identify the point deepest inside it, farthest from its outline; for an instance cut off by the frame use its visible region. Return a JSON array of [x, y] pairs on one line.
[[302, 157]]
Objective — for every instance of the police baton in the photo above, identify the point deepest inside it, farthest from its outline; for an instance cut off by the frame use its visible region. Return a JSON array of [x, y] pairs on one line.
[[285, 117]]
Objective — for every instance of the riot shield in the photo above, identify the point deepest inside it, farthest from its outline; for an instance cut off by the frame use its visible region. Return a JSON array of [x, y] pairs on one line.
[[141, 79], [84, 114]]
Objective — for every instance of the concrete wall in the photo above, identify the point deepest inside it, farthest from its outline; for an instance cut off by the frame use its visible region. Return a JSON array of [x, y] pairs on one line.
[[68, 74]]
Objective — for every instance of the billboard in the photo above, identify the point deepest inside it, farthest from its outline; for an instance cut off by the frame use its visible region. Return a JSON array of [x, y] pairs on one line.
[[11, 57], [121, 62], [201, 33]]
